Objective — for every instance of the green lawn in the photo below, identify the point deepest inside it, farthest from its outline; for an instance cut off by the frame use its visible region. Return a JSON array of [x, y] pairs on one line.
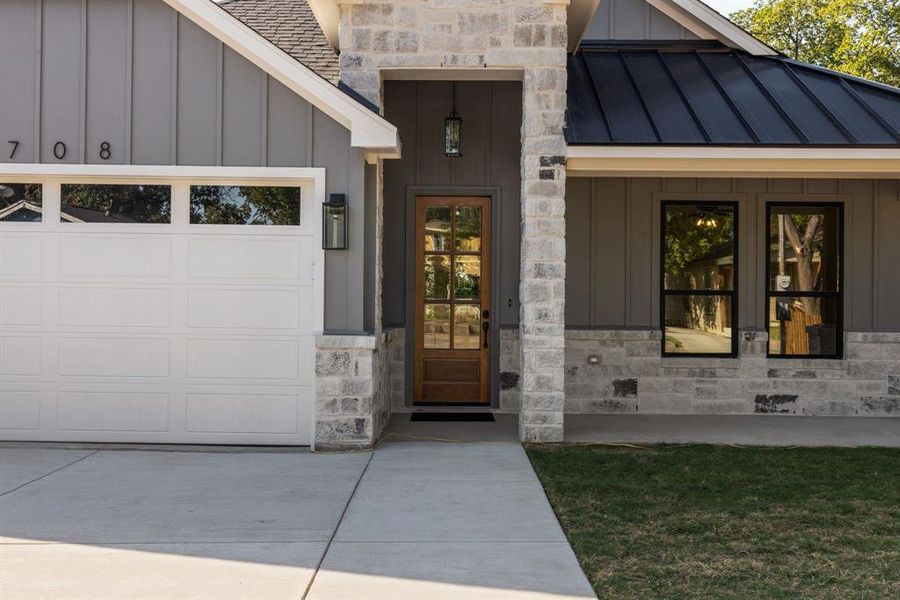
[[726, 522]]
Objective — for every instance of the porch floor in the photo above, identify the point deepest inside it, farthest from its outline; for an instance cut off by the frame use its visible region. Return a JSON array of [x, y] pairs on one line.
[[746, 430], [749, 430]]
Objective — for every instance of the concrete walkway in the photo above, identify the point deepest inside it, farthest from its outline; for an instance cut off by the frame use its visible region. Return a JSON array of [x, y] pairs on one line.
[[412, 520]]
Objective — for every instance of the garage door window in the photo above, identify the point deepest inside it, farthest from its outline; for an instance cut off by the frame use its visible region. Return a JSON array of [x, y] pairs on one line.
[[245, 205], [20, 202], [89, 203]]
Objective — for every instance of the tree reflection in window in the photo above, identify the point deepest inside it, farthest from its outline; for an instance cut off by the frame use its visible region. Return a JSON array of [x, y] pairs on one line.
[[699, 258], [245, 205], [104, 203]]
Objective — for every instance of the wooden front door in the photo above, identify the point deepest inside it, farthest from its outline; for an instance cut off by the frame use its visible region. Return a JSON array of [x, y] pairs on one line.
[[453, 291]]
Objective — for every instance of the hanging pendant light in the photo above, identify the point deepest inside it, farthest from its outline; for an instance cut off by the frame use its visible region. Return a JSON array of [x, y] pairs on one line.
[[453, 131]]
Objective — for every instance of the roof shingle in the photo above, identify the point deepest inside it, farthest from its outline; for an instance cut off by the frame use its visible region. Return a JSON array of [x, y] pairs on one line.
[[292, 26]]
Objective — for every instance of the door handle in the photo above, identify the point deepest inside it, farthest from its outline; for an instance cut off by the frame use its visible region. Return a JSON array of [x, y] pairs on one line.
[[486, 328]]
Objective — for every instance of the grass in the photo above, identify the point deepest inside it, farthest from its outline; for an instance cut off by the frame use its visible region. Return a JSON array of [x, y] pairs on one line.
[[726, 522]]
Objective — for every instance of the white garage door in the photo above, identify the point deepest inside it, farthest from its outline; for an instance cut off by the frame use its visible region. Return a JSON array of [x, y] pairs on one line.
[[127, 319]]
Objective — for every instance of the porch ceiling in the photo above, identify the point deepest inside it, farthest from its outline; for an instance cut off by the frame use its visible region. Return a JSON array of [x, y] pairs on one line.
[[713, 96]]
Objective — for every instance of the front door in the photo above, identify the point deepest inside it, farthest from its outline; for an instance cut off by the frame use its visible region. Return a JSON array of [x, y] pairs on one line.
[[453, 285]]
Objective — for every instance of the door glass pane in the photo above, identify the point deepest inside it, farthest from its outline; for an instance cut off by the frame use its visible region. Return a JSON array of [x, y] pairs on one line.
[[803, 326], [699, 247], [20, 202], [437, 228], [468, 229], [86, 203], [437, 277], [437, 326], [804, 249], [698, 324], [466, 327], [467, 277], [244, 205]]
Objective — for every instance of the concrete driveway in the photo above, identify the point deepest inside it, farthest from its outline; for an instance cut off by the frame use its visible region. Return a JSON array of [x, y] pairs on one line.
[[412, 520]]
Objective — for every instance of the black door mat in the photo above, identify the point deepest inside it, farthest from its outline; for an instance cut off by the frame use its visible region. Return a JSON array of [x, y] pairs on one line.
[[451, 416]]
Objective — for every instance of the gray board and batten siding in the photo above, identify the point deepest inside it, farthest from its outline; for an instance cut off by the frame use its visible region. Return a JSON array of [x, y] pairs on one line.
[[613, 246], [633, 20], [491, 150], [162, 91]]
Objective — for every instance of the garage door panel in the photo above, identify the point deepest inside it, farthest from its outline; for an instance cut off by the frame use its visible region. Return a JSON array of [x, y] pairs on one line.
[[242, 413], [114, 357], [20, 255], [115, 256], [247, 259], [20, 409], [20, 355], [112, 411], [114, 307], [248, 308], [20, 305], [243, 359], [158, 333]]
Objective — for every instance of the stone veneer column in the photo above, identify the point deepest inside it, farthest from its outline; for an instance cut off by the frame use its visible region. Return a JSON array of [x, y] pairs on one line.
[[525, 35], [542, 288], [346, 381]]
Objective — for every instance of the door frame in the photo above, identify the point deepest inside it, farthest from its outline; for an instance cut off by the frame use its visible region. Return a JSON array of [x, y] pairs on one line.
[[413, 192]]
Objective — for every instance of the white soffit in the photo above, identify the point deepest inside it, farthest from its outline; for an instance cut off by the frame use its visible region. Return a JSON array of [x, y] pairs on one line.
[[367, 129], [720, 161]]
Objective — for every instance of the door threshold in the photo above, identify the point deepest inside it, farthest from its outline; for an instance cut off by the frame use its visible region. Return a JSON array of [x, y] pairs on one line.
[[452, 416], [451, 408]]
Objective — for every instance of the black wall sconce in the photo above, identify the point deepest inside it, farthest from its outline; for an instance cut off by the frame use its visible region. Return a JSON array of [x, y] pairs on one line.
[[334, 222], [453, 131]]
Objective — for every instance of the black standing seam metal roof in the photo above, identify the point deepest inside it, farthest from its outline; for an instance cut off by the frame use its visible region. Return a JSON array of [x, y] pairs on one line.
[[702, 96]]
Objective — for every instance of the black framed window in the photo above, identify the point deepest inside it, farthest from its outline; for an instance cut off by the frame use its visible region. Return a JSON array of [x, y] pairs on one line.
[[699, 278], [804, 291]]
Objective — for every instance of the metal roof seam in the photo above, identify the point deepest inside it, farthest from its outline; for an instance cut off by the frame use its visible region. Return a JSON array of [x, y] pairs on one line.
[[640, 96], [765, 91], [683, 97], [865, 105], [727, 98], [825, 110], [594, 89]]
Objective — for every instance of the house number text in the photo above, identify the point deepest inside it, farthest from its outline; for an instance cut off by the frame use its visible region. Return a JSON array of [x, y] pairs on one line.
[[59, 150]]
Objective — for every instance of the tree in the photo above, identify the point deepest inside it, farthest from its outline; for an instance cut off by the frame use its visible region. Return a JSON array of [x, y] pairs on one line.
[[240, 205], [857, 37]]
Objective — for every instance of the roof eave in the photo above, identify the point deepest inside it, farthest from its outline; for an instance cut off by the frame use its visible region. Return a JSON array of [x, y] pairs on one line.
[[732, 161], [368, 130]]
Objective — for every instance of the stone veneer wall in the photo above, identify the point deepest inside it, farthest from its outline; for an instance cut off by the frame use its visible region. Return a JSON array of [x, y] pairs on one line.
[[630, 376], [352, 391], [526, 35]]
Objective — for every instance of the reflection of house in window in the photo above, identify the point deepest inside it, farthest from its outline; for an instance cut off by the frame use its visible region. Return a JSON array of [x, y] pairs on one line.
[[710, 314], [20, 202], [698, 278]]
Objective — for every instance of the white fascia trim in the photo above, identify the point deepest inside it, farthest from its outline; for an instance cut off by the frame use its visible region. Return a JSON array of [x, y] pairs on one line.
[[722, 161], [705, 22], [154, 172], [578, 17], [328, 14], [367, 129]]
